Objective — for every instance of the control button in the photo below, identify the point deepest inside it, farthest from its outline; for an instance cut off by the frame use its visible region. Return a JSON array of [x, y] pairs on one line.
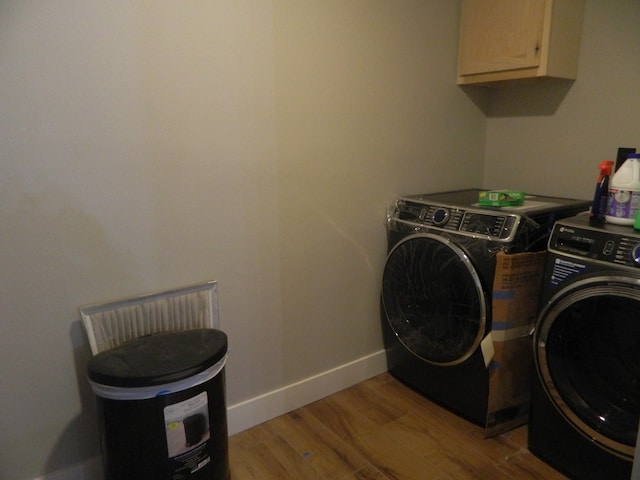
[[440, 216], [635, 254], [608, 247]]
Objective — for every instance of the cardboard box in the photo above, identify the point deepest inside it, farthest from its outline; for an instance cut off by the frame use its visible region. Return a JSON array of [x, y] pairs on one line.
[[516, 290]]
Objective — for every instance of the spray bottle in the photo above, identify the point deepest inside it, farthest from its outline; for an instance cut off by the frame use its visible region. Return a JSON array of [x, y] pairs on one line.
[[599, 206]]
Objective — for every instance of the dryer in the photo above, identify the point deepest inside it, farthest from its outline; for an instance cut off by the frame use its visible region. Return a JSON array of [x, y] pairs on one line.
[[437, 282], [585, 398]]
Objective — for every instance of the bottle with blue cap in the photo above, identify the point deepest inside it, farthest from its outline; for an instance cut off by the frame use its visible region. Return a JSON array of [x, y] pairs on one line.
[[624, 192]]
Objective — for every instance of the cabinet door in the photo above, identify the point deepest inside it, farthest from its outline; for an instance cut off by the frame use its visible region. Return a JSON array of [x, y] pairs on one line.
[[499, 35]]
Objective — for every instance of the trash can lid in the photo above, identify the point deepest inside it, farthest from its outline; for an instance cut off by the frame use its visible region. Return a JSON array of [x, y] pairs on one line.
[[159, 358]]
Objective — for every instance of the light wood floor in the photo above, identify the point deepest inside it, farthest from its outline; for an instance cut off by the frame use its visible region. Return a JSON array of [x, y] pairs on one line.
[[380, 430]]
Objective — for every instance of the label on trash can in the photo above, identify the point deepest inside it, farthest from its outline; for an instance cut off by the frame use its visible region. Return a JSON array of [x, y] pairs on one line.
[[187, 427]]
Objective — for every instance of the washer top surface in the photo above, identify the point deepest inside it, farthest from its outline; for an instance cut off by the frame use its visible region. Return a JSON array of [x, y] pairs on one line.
[[468, 198]]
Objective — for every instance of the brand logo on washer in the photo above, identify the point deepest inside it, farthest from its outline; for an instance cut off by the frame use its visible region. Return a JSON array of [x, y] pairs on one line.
[[566, 229]]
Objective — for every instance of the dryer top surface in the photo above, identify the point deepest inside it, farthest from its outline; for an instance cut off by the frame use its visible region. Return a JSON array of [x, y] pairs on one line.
[[607, 244]]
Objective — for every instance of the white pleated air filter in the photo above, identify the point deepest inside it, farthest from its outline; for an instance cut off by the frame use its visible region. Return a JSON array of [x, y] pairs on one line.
[[111, 324]]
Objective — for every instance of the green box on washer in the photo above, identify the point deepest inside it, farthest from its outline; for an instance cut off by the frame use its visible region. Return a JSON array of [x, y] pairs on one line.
[[501, 198]]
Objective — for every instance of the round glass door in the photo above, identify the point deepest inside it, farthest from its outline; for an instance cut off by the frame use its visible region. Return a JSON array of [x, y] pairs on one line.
[[433, 299], [587, 352]]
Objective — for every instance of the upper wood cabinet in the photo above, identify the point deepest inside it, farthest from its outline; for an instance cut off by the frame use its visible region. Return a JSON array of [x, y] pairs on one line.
[[507, 40]]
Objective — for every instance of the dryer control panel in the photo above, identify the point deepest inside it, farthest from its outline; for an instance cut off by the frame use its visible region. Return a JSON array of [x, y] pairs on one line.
[[611, 244], [497, 225]]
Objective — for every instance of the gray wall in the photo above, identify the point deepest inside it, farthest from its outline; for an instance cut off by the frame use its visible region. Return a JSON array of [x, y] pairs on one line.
[[155, 144], [550, 138], [150, 145]]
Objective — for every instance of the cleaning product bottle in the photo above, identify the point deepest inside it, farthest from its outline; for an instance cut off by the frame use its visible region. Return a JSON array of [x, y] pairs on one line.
[[624, 192], [599, 206]]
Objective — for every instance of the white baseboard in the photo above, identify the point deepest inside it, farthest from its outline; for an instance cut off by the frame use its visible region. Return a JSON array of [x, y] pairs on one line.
[[254, 411]]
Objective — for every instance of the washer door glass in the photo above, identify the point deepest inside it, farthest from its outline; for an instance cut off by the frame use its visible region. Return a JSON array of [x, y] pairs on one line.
[[433, 299], [588, 357]]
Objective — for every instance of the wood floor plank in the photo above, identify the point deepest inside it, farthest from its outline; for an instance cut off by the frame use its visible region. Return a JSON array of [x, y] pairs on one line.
[[312, 440], [406, 399], [442, 449], [380, 430], [418, 435], [270, 459], [394, 459], [367, 473], [517, 436], [364, 398], [337, 412], [462, 431]]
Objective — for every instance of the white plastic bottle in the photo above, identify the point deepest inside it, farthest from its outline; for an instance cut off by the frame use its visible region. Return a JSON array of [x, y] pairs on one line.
[[624, 192]]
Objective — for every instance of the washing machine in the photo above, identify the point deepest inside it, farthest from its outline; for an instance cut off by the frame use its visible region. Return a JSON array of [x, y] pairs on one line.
[[585, 398], [437, 283]]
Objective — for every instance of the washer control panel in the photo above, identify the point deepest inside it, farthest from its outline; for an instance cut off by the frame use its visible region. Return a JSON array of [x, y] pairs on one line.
[[497, 225], [609, 243]]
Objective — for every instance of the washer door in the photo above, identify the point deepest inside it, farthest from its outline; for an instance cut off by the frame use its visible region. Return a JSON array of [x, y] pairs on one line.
[[587, 352], [433, 299]]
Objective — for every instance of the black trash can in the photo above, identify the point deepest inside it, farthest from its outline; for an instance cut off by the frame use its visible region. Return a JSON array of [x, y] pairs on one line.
[[161, 405]]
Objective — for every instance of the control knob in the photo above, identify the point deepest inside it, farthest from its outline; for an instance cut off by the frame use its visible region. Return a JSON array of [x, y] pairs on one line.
[[635, 254], [440, 217]]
